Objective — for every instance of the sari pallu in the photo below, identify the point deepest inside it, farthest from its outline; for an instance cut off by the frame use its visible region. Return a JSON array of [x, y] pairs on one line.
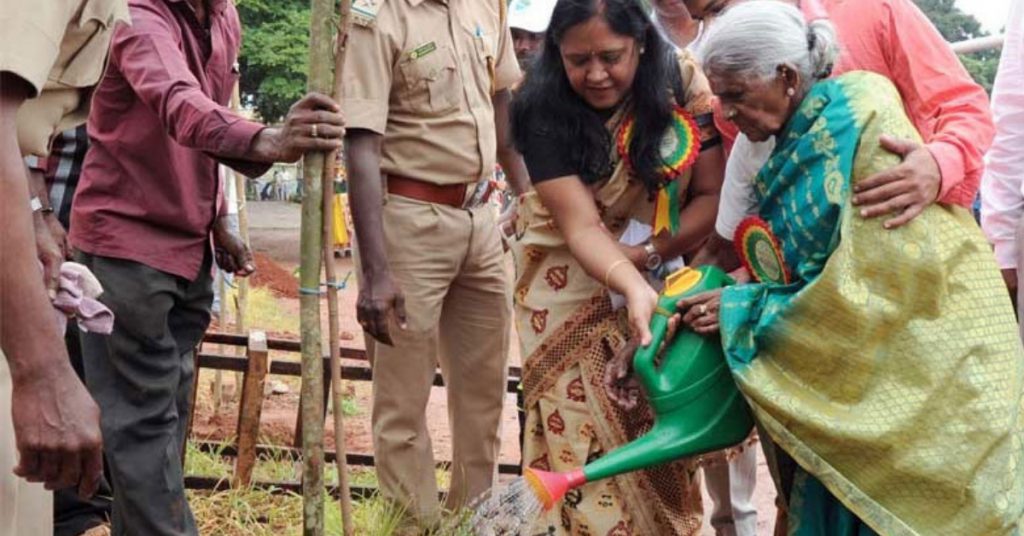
[[888, 366], [568, 331]]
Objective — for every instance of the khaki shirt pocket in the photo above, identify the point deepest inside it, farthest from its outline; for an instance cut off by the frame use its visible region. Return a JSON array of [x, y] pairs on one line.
[[83, 55], [431, 79], [482, 55]]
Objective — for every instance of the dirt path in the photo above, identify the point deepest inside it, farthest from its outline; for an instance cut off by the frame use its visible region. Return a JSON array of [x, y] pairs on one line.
[[274, 236]]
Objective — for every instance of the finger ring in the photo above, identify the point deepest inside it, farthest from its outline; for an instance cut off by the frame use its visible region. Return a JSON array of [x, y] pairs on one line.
[[703, 309], [315, 134]]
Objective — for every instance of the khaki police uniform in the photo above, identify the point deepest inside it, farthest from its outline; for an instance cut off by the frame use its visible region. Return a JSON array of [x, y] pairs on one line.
[[60, 48], [421, 73]]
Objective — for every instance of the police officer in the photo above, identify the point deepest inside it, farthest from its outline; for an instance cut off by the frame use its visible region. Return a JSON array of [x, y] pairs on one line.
[[426, 99]]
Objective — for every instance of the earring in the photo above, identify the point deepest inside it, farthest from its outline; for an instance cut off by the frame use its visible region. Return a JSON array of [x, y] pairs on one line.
[[791, 92], [642, 50]]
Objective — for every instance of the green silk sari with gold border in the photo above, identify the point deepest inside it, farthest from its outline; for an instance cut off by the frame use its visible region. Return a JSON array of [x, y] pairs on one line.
[[889, 367]]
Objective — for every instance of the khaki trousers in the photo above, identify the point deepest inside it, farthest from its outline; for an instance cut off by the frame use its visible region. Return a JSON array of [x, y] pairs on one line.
[[25, 509], [449, 264]]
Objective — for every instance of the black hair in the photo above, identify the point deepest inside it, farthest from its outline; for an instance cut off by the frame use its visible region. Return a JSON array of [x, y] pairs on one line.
[[546, 104]]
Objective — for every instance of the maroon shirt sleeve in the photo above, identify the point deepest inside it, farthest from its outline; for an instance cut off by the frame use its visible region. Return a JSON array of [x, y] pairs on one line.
[[149, 58]]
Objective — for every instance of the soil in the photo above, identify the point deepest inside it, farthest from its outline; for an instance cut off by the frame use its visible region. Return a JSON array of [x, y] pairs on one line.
[[271, 275]]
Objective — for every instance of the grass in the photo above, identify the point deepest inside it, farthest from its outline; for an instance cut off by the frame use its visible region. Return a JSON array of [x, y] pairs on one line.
[[264, 311], [257, 512]]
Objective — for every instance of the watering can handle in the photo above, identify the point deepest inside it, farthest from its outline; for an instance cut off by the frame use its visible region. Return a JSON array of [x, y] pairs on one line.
[[643, 360], [682, 283]]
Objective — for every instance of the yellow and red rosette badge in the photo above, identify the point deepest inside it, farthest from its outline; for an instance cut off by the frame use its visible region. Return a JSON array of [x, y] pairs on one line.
[[679, 149], [680, 145], [759, 250]]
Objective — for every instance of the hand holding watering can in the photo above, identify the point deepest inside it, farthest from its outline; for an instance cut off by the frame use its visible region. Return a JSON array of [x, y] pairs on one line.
[[695, 312]]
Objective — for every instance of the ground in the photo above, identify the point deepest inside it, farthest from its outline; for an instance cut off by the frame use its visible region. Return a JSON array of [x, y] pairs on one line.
[[274, 228]]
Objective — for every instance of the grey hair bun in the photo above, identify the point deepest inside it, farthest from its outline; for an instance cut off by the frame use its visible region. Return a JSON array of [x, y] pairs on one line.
[[823, 48]]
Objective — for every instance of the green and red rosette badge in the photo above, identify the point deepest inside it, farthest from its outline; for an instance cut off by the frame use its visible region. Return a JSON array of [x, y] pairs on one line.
[[759, 250], [679, 150]]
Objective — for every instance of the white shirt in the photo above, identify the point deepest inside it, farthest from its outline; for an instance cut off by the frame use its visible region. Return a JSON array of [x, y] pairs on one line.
[[737, 200], [1002, 186]]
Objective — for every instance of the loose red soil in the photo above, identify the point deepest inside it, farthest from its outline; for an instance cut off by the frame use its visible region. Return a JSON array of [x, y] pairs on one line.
[[273, 276]]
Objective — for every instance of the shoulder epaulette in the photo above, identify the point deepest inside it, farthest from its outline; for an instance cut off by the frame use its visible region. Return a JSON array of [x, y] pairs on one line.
[[364, 12]]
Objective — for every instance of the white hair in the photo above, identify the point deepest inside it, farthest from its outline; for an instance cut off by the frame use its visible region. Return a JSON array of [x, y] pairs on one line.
[[754, 38]]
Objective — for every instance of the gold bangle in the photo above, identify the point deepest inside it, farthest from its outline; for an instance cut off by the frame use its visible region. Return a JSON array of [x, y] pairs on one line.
[[612, 268]]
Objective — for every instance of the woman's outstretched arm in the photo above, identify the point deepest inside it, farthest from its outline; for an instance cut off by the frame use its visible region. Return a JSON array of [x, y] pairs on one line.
[[572, 206]]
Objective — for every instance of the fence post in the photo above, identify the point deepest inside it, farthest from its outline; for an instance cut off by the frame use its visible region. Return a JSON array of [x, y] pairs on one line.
[[250, 408]]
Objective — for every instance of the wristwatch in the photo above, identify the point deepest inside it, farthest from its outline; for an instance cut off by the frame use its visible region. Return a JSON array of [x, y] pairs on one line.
[[653, 258]]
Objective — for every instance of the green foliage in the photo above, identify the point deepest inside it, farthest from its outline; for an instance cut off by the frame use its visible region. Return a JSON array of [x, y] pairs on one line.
[[983, 67], [275, 54], [955, 25]]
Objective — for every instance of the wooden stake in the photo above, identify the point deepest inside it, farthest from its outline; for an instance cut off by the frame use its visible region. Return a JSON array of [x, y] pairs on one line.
[[311, 244], [223, 321], [242, 297], [345, 497], [250, 408], [242, 283]]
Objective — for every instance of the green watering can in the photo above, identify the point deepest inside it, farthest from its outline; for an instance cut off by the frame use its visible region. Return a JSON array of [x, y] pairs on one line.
[[697, 407]]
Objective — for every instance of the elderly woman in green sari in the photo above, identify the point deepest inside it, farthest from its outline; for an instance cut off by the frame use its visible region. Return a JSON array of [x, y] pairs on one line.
[[885, 363]]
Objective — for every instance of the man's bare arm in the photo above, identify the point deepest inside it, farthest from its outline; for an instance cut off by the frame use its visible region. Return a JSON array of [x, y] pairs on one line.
[[56, 423], [379, 295], [509, 158]]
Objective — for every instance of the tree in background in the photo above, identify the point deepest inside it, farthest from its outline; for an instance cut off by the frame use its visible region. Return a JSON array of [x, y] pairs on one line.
[[275, 55], [275, 50], [955, 25]]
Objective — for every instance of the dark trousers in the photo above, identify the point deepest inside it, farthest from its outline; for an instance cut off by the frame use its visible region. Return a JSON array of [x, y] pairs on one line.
[[73, 515], [141, 377]]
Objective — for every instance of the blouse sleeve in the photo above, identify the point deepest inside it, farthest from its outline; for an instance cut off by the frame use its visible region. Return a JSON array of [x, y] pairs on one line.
[[699, 99], [546, 159]]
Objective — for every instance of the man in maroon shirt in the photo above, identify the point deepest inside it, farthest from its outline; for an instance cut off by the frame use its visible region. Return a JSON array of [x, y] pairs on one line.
[[143, 216]]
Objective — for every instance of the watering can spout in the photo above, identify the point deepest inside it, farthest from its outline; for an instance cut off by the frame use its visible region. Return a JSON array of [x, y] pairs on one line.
[[551, 487]]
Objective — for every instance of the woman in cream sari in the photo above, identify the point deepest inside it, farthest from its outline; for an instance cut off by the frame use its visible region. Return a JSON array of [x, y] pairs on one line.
[[614, 127]]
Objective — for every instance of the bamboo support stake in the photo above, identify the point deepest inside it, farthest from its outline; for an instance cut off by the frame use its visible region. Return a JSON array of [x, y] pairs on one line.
[[242, 283], [345, 497], [218, 376], [311, 244]]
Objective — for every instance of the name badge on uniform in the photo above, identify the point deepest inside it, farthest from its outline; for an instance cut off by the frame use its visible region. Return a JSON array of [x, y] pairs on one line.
[[423, 50], [364, 12]]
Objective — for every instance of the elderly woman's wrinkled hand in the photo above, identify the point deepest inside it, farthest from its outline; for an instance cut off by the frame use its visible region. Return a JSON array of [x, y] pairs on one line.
[[904, 191], [700, 312], [620, 384]]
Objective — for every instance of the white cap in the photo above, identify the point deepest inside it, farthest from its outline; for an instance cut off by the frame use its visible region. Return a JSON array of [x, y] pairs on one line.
[[530, 15]]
